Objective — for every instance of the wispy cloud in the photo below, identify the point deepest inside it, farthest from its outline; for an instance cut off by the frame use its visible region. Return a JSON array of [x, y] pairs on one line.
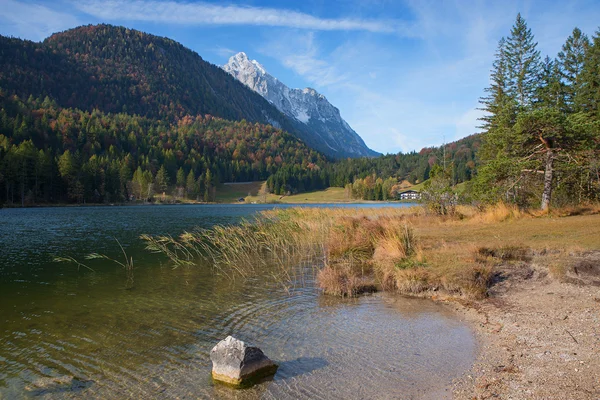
[[223, 51], [33, 21], [211, 14], [300, 53]]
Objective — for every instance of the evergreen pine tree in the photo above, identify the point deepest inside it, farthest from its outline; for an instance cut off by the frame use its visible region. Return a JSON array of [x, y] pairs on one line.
[[523, 62], [139, 183], [570, 61], [587, 97], [499, 104], [180, 178], [162, 179], [208, 186], [551, 90], [190, 185], [496, 171]]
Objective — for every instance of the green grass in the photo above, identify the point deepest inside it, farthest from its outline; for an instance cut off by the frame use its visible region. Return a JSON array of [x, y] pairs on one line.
[[461, 187], [418, 187], [330, 195], [231, 192]]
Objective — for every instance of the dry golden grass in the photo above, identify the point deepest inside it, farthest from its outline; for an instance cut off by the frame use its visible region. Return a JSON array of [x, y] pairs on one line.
[[496, 213], [344, 281], [401, 249], [466, 252], [583, 209]]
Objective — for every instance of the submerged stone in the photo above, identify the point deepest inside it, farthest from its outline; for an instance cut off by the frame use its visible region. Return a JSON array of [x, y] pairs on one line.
[[237, 364]]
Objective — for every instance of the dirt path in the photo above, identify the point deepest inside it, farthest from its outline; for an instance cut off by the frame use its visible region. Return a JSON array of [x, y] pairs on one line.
[[540, 338]]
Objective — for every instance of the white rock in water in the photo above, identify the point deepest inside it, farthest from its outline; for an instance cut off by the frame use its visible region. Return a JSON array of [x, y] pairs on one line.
[[237, 364]]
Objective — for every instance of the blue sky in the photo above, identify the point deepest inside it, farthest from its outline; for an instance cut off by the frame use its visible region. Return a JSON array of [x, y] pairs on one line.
[[404, 73]]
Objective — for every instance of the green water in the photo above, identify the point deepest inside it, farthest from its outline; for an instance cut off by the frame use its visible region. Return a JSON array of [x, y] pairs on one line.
[[153, 341]]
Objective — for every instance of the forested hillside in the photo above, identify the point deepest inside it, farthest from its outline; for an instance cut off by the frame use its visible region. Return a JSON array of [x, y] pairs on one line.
[[54, 154], [376, 178], [108, 114], [114, 69], [119, 70]]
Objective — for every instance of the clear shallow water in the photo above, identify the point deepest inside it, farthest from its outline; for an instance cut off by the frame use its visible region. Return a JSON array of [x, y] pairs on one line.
[[154, 341]]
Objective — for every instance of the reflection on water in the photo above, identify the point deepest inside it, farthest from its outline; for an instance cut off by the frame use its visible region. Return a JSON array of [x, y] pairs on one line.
[[78, 334]]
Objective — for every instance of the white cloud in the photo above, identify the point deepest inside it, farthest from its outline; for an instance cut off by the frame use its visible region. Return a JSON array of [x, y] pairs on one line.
[[223, 51], [211, 14], [33, 21], [301, 54]]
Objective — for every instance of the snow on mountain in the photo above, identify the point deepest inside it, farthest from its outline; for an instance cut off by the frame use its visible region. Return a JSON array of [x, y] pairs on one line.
[[306, 106]]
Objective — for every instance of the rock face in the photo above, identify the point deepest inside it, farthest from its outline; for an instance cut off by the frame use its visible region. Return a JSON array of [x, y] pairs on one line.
[[332, 134], [237, 364]]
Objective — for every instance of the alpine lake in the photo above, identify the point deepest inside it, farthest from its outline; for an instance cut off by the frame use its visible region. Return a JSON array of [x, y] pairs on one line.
[[70, 332]]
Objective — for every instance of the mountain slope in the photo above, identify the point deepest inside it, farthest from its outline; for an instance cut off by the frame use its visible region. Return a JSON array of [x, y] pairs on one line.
[[54, 154], [306, 106], [115, 69]]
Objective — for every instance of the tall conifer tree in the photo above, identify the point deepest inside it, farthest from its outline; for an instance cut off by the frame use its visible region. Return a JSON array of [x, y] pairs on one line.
[[570, 61], [498, 102], [500, 106], [551, 89], [587, 98], [523, 63]]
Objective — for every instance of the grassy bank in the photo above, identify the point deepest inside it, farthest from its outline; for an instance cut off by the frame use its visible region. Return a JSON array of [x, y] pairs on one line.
[[232, 192], [329, 195], [403, 250], [249, 191]]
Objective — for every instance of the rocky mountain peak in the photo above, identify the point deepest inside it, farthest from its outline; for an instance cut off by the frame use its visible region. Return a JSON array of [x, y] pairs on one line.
[[306, 106], [240, 63]]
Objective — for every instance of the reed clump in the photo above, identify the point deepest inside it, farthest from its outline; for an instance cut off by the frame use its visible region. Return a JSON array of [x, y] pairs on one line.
[[343, 281], [357, 247]]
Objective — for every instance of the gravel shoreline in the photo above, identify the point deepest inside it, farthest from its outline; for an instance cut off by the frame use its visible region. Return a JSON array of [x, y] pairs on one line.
[[539, 338]]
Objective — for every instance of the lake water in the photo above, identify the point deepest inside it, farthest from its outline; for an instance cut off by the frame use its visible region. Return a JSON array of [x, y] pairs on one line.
[[59, 321]]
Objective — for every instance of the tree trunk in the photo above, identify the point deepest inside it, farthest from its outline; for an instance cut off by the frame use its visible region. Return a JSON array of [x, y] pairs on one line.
[[548, 174]]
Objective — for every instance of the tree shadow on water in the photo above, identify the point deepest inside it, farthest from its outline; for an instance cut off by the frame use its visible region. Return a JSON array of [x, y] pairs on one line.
[[300, 366]]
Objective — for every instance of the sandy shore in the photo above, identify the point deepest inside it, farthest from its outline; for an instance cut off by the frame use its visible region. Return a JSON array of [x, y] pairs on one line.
[[540, 337]]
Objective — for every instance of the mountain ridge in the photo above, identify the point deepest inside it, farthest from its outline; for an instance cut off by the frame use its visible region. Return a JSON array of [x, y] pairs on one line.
[[306, 106], [115, 69]]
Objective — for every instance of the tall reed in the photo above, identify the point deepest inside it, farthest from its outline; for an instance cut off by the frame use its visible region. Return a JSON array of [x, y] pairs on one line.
[[279, 239], [343, 249]]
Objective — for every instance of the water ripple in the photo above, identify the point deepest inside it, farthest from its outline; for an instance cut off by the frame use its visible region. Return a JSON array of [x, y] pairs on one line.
[[68, 333]]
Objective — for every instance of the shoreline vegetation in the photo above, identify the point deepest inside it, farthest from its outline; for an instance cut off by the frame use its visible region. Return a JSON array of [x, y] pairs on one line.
[[231, 194], [408, 250]]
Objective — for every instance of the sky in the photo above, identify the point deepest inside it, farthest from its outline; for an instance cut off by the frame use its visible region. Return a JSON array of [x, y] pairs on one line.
[[405, 74]]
